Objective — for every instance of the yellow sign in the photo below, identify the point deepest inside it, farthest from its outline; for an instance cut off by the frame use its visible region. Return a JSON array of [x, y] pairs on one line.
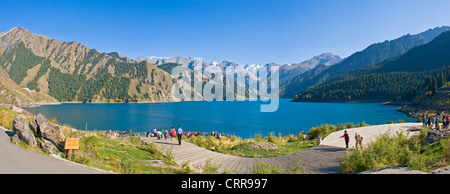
[[72, 143]]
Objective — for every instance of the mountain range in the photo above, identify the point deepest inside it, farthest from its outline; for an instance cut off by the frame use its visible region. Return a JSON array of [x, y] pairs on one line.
[[373, 54], [38, 69], [71, 72], [68, 71], [287, 71], [399, 78]]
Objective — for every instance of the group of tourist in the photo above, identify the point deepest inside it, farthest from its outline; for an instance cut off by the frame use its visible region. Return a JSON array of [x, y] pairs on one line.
[[164, 133], [433, 122], [358, 139]]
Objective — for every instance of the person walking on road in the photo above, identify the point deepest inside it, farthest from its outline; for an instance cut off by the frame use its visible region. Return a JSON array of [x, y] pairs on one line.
[[346, 138], [179, 134], [173, 134]]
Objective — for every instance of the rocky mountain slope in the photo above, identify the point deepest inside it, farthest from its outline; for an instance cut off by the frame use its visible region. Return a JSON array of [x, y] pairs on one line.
[[69, 71], [395, 79], [287, 71], [373, 54], [10, 92]]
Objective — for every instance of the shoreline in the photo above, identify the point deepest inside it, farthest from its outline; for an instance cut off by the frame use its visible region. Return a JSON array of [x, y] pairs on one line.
[[163, 102], [105, 102]]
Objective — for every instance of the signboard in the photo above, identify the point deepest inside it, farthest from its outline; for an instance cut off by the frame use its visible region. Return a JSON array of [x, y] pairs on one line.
[[72, 143]]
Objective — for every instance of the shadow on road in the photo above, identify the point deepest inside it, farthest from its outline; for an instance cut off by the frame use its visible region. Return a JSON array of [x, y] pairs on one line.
[[9, 133]]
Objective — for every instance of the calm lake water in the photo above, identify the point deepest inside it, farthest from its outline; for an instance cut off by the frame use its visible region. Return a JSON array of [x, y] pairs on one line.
[[243, 119]]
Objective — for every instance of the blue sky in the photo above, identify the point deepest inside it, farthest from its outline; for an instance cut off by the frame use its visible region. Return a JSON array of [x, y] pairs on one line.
[[244, 31]]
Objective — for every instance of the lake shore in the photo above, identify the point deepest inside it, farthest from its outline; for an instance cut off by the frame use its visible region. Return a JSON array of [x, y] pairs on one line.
[[202, 159], [242, 119]]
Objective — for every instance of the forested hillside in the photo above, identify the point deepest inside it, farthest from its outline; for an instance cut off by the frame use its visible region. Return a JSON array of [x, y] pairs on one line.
[[393, 86], [398, 78], [70, 72], [373, 54]]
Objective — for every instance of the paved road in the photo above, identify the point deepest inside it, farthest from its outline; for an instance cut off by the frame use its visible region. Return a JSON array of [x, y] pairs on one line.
[[17, 160], [369, 133], [317, 160], [322, 159]]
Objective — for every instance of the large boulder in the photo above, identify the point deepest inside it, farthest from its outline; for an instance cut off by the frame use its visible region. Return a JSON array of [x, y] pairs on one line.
[[22, 129], [15, 138], [48, 147], [51, 132], [434, 136], [34, 126]]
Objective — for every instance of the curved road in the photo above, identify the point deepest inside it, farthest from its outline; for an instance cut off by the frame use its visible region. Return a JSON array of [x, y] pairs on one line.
[[317, 160], [322, 159], [17, 160]]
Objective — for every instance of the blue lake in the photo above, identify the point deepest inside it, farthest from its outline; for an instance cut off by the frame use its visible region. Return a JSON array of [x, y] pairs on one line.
[[243, 119]]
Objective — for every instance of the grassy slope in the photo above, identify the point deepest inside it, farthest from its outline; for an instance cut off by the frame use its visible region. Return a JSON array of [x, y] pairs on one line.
[[399, 150], [121, 155], [9, 91], [238, 147]]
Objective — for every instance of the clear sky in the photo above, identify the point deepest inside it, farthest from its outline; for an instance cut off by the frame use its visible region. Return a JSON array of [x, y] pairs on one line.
[[242, 31]]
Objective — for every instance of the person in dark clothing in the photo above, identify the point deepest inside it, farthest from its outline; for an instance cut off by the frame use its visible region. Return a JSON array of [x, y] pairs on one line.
[[346, 138], [179, 134], [429, 121]]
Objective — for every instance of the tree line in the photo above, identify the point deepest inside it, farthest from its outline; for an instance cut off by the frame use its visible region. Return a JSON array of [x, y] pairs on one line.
[[393, 86]]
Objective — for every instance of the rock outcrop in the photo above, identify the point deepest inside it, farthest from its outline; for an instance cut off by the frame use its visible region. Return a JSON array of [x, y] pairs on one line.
[[48, 147], [15, 138], [50, 132], [434, 136], [22, 130], [34, 126]]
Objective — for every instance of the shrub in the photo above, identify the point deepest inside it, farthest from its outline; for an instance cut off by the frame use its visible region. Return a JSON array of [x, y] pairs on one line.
[[210, 143], [271, 138], [385, 151], [350, 125], [267, 168], [233, 138], [445, 143], [186, 169], [6, 117], [210, 168], [363, 124], [258, 138], [325, 129], [126, 166], [169, 158], [291, 138], [90, 144], [272, 168], [53, 121], [300, 136]]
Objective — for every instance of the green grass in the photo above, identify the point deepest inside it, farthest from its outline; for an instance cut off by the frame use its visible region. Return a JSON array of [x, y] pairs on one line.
[[271, 168], [239, 147], [286, 144], [399, 150], [6, 117], [284, 148], [326, 129], [121, 155]]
